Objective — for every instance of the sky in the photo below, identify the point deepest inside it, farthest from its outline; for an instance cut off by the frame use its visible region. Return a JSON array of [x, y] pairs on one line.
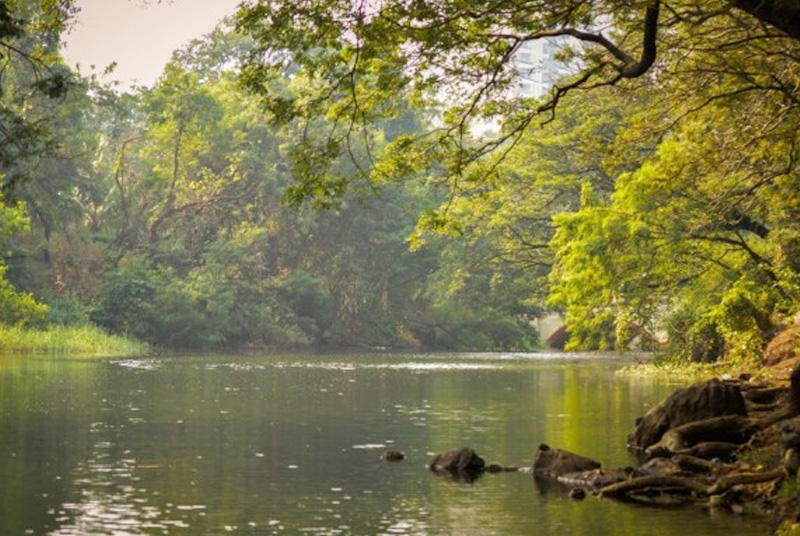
[[140, 36]]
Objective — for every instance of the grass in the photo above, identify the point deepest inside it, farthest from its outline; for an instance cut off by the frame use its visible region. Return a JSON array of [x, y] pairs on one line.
[[73, 340]]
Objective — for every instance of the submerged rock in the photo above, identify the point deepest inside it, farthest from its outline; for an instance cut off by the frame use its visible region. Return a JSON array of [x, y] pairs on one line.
[[461, 461], [497, 468], [393, 456], [494, 468], [557, 462]]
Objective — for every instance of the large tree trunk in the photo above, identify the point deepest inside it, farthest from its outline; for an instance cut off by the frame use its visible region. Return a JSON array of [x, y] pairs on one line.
[[782, 14]]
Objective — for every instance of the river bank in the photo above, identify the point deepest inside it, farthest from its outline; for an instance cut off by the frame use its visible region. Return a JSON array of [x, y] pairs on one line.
[[730, 443], [86, 340]]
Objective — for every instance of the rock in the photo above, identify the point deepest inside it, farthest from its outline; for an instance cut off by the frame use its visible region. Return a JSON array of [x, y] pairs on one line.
[[557, 462], [695, 403], [577, 494], [393, 456], [494, 468], [461, 461], [497, 468], [784, 346]]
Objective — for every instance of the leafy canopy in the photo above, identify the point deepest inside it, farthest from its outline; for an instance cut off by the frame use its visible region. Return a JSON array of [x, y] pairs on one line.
[[665, 180]]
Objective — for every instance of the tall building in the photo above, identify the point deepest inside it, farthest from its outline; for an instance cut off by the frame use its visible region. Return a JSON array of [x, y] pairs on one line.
[[537, 67]]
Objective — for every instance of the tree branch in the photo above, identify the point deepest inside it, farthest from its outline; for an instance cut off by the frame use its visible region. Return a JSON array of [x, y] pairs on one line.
[[778, 13]]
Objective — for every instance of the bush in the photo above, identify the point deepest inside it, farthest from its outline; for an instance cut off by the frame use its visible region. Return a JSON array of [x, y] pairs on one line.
[[123, 301], [18, 308], [66, 311], [693, 337], [486, 329]]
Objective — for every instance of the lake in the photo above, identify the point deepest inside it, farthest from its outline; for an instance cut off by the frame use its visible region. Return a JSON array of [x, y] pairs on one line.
[[292, 445]]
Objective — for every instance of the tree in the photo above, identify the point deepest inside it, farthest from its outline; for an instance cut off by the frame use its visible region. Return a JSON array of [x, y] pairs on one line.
[[32, 73], [31, 78], [690, 204], [705, 229], [356, 60], [16, 307]]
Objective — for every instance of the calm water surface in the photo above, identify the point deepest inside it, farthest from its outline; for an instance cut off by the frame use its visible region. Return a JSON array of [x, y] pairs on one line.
[[291, 444]]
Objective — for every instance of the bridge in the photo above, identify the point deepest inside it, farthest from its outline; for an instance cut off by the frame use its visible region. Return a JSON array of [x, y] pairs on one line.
[[551, 330]]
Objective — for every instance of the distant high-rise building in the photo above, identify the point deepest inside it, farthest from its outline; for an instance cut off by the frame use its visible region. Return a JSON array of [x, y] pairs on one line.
[[537, 67]]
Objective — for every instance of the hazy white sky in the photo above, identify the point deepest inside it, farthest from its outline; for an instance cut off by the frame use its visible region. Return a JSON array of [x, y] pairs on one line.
[[139, 36]]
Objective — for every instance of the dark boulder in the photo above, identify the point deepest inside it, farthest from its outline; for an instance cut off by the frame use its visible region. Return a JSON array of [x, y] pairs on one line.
[[557, 462], [461, 461], [393, 456], [695, 403]]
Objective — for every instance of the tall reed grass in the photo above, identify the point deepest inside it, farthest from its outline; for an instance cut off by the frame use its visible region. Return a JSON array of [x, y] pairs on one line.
[[73, 340]]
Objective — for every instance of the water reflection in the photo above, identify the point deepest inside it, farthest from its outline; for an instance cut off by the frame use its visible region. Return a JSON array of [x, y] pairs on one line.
[[293, 445]]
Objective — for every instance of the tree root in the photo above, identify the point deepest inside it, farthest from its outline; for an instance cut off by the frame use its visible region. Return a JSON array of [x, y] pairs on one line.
[[727, 482], [623, 490], [688, 487]]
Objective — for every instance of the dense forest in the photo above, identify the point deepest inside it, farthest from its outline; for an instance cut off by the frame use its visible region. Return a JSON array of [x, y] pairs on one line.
[[329, 173], [161, 214]]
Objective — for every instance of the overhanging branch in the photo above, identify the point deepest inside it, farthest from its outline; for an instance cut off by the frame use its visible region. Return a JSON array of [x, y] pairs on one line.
[[626, 65], [782, 14]]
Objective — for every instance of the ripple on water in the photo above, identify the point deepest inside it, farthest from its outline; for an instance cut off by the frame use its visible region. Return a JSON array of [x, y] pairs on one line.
[[139, 364]]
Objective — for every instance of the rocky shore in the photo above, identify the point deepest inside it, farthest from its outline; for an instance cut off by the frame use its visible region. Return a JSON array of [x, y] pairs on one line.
[[723, 444]]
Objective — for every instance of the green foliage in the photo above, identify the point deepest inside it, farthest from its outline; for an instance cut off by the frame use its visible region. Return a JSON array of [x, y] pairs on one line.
[[487, 329], [788, 528], [66, 311], [666, 203], [693, 337], [307, 303], [688, 243], [123, 301], [75, 340], [31, 79], [152, 305], [235, 287], [16, 307], [663, 205], [158, 213]]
